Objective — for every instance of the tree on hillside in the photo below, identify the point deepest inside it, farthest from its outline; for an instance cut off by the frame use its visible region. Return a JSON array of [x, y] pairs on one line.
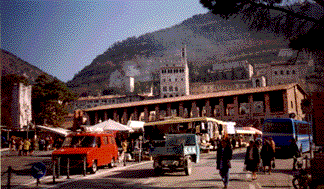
[[301, 21], [50, 98]]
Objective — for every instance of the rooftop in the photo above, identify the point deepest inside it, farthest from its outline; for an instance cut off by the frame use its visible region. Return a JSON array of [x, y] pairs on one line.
[[197, 96]]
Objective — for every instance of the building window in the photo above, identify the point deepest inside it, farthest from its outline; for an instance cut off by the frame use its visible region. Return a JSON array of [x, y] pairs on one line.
[[281, 72], [170, 80], [169, 71], [165, 96], [175, 79], [163, 80], [165, 89], [293, 72], [176, 88], [170, 88], [288, 72], [291, 104], [275, 72], [181, 79], [176, 71]]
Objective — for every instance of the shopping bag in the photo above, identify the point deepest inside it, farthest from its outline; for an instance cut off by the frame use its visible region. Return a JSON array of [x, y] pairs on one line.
[[273, 165]]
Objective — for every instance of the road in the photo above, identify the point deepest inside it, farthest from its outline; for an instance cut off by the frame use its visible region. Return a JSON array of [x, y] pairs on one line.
[[204, 175], [141, 175]]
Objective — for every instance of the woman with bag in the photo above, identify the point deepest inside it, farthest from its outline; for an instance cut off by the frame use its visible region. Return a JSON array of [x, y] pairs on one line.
[[252, 159], [267, 155], [224, 156]]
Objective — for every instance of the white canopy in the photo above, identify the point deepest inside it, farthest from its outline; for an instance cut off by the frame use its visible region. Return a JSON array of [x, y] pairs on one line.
[[230, 127], [57, 130], [248, 130], [136, 125], [109, 125]]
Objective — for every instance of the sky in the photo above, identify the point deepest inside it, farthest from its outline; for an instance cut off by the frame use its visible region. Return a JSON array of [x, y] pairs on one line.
[[62, 37]]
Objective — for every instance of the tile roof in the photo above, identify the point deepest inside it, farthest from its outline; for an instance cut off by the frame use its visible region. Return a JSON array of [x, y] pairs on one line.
[[197, 96]]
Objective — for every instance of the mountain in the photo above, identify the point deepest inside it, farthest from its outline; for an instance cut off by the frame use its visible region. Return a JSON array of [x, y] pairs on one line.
[[11, 64], [209, 39]]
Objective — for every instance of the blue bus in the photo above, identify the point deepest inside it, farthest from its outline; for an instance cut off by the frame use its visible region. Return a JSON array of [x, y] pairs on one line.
[[283, 130]]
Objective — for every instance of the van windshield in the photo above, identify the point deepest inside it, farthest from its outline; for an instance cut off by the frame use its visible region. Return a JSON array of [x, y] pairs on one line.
[[79, 141]]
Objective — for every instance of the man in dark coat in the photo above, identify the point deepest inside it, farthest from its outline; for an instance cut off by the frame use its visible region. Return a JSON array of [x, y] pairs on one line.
[[224, 155], [294, 151], [267, 155], [252, 159]]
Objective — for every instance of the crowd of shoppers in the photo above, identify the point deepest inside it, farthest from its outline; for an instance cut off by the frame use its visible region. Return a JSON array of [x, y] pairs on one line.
[[26, 146]]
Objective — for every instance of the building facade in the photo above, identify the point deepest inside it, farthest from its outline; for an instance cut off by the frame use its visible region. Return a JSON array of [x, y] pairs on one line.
[[245, 106], [21, 108], [174, 77], [94, 101]]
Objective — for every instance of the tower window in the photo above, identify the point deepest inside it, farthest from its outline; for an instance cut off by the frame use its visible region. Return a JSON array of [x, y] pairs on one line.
[[170, 88]]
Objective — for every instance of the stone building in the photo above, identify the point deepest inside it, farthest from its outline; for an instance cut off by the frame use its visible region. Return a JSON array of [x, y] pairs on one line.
[[21, 108], [174, 77], [94, 101], [245, 106]]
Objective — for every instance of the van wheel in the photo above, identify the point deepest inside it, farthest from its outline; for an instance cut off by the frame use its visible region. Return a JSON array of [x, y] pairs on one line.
[[158, 171], [112, 163], [94, 167]]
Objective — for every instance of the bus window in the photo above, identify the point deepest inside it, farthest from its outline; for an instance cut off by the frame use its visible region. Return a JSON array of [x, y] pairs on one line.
[[277, 127], [302, 128]]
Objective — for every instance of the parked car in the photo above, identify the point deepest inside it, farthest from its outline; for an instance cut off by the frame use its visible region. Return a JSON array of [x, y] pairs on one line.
[[91, 150]]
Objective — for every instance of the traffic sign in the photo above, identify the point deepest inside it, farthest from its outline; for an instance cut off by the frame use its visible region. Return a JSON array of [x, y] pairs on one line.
[[38, 170]]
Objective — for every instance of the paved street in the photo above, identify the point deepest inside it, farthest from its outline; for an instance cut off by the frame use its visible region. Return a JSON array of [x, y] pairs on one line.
[[140, 175]]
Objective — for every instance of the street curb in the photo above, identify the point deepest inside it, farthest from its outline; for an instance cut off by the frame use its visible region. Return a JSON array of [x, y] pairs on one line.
[[64, 180]]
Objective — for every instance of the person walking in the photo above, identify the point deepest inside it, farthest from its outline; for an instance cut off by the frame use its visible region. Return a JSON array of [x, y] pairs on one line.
[[20, 144], [252, 159], [26, 146], [267, 155], [124, 151], [224, 155], [294, 151]]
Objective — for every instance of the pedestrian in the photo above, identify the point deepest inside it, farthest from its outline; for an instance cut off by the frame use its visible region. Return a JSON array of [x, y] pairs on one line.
[[267, 155], [12, 144], [41, 144], [20, 144], [26, 146], [252, 159], [32, 146], [294, 151], [124, 148], [224, 155], [234, 143]]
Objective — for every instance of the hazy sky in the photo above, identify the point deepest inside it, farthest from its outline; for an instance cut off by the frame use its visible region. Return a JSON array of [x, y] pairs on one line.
[[62, 37]]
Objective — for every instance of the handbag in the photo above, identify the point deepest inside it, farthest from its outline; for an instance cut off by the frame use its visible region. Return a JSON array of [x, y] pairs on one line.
[[273, 165]]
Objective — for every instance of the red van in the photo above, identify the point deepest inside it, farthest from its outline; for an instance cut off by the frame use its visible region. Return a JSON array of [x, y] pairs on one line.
[[92, 150]]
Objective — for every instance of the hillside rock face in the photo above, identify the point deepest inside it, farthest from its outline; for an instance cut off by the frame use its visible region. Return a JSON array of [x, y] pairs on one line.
[[208, 40], [11, 64]]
